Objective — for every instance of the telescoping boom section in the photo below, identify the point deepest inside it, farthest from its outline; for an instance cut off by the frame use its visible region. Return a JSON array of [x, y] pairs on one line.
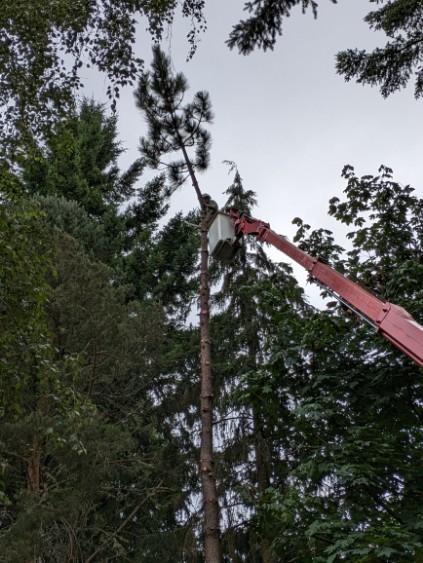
[[392, 321]]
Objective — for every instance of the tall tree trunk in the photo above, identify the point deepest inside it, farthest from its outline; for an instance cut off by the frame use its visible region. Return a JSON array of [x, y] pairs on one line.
[[208, 479], [34, 466], [211, 525]]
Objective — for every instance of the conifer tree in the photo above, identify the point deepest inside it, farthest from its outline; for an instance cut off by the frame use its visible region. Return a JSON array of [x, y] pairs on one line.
[[92, 467], [161, 264], [254, 292], [79, 162], [175, 127]]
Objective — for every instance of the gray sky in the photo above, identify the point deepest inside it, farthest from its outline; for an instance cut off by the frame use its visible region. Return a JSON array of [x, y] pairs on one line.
[[285, 117]]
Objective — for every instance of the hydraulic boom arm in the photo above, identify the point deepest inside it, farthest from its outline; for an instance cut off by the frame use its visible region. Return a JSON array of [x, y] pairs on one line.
[[392, 321]]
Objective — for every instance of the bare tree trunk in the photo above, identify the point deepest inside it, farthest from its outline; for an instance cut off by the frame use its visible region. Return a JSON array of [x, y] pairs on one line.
[[34, 467], [211, 524], [208, 479]]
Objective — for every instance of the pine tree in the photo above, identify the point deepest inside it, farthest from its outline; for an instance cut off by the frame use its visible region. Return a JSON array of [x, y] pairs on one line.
[[172, 128]]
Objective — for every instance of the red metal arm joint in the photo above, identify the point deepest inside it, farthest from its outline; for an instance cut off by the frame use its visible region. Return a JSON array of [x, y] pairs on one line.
[[246, 225]]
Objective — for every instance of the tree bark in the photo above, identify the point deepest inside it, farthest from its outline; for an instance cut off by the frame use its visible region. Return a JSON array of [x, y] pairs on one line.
[[211, 523], [208, 479], [34, 467]]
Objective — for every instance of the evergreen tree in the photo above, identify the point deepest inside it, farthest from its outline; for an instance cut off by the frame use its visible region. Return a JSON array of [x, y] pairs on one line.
[[255, 295], [174, 127], [93, 467], [262, 28], [79, 163], [161, 264], [398, 62]]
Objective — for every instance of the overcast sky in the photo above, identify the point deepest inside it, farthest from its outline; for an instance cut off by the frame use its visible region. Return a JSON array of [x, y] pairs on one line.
[[285, 117]]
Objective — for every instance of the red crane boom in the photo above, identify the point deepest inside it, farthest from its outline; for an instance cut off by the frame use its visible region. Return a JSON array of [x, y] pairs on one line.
[[392, 321]]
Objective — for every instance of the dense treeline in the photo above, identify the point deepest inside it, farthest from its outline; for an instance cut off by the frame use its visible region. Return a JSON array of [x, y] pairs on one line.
[[92, 333], [318, 422]]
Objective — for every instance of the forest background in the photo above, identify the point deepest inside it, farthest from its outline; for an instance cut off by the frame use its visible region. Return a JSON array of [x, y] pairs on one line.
[[317, 422]]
